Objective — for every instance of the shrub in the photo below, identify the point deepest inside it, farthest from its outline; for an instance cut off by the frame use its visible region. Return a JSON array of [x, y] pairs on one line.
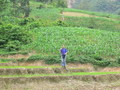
[[23, 22], [84, 59], [72, 59], [52, 59], [61, 3], [13, 45], [48, 59], [13, 53], [118, 60], [6, 60], [114, 64], [98, 58], [102, 63], [21, 60], [35, 57], [60, 23], [12, 37], [33, 25], [95, 61], [41, 6]]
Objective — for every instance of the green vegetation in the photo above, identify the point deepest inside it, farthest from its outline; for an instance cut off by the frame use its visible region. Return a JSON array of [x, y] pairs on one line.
[[54, 3], [3, 5], [46, 14], [85, 45], [49, 59], [93, 23], [109, 6], [92, 40], [107, 15], [6, 60], [4, 53], [68, 74], [28, 67], [12, 37], [79, 41]]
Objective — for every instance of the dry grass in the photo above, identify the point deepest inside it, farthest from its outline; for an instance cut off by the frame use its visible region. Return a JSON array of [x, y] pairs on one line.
[[77, 14], [35, 63], [59, 78], [107, 69], [62, 85], [83, 82], [47, 70], [69, 65], [17, 56], [8, 64], [22, 71]]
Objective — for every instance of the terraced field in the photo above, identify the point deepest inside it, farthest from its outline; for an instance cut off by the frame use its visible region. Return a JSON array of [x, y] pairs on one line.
[[55, 77], [87, 36]]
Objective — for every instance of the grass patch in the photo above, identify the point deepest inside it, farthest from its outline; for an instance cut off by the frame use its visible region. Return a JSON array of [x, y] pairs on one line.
[[6, 60], [68, 74], [46, 13], [107, 15], [93, 23], [29, 67], [5, 53]]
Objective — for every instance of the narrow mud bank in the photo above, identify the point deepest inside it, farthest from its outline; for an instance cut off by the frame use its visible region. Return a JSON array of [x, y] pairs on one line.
[[22, 71], [86, 78]]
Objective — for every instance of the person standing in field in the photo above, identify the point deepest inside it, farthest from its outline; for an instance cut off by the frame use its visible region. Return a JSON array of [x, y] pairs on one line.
[[63, 51]]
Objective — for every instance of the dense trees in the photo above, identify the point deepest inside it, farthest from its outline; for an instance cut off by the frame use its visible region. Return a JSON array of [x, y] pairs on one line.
[[56, 3], [2, 5], [13, 36], [109, 6], [21, 6]]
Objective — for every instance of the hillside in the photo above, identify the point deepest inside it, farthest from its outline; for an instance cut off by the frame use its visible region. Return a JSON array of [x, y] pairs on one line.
[[108, 6], [87, 35], [32, 33]]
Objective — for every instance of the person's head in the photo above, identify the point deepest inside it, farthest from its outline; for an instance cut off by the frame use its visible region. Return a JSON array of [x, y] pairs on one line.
[[63, 46]]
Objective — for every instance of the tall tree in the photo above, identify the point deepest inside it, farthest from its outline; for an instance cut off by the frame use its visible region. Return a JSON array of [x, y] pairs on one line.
[[3, 5], [21, 7], [111, 6], [24, 6]]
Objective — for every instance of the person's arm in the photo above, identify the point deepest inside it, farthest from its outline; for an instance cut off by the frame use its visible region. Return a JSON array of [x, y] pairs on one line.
[[60, 49], [66, 51]]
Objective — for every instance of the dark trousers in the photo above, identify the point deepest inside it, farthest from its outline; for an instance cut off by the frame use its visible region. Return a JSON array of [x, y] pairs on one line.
[[63, 60]]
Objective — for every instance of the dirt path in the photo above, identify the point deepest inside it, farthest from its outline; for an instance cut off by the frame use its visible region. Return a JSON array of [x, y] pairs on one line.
[[77, 14], [107, 69], [17, 56]]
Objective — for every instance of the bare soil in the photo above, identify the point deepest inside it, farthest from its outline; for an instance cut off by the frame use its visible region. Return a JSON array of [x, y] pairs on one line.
[[17, 56], [114, 69], [77, 14]]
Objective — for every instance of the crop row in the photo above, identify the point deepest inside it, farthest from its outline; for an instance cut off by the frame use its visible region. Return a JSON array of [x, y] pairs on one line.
[[78, 41]]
